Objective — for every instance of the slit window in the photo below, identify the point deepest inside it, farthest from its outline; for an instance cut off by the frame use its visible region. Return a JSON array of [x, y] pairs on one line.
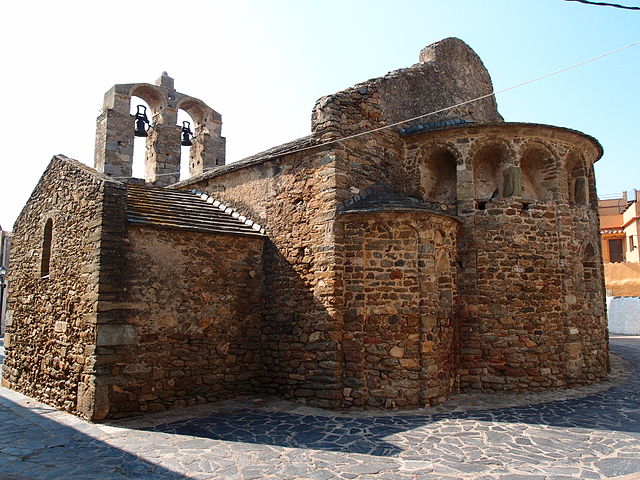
[[46, 249]]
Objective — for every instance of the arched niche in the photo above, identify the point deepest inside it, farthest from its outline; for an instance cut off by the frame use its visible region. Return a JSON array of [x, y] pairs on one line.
[[577, 179], [493, 172], [539, 172], [438, 175]]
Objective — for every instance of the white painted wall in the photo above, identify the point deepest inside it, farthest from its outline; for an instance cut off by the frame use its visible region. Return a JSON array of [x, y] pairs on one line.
[[624, 315]]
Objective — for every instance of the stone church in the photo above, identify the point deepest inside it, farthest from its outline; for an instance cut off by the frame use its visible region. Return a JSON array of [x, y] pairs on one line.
[[387, 260]]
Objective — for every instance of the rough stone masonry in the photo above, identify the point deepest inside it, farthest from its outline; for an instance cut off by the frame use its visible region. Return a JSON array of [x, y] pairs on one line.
[[454, 252]]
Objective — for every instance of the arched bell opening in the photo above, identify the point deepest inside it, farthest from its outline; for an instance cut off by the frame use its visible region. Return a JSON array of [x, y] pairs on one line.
[[538, 167], [142, 121], [148, 108], [187, 125], [438, 176], [207, 150], [493, 173]]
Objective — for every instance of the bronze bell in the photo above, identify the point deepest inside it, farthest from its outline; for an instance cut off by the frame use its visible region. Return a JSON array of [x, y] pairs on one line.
[[141, 121], [186, 134]]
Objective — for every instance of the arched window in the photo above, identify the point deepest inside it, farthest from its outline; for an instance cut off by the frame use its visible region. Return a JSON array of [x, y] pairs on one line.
[[539, 172], [45, 261], [492, 177], [438, 179]]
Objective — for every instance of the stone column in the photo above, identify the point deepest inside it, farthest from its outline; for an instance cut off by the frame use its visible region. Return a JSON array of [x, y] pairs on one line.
[[511, 182], [207, 150], [162, 164], [114, 143]]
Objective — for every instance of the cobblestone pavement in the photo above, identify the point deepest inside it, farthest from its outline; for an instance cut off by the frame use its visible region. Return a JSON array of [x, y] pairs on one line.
[[591, 433]]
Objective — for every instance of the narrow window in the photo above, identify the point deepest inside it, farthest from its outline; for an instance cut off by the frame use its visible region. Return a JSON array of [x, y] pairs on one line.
[[631, 244], [46, 249]]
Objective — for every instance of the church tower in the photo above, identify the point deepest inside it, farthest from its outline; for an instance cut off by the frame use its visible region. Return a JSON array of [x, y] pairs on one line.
[[116, 128]]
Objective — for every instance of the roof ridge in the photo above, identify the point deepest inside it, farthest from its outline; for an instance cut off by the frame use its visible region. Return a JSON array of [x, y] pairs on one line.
[[229, 210]]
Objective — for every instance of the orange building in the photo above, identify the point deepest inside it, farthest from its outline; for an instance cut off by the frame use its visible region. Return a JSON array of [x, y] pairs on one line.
[[619, 229]]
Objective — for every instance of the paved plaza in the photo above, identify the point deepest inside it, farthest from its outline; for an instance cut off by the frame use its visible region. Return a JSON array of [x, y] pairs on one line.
[[591, 432]]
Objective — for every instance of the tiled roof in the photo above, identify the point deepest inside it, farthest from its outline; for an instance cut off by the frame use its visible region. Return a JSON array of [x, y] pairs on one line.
[[165, 208], [377, 198], [432, 125], [275, 152]]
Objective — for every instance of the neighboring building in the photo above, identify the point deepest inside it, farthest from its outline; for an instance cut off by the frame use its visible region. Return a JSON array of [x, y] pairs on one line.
[[5, 238], [389, 267], [619, 227], [619, 217]]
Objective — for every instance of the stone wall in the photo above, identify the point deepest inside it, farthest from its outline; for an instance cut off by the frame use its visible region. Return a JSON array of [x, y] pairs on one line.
[[119, 320], [399, 332], [52, 319], [429, 86], [191, 303], [366, 161], [528, 304], [294, 198], [529, 320], [530, 283]]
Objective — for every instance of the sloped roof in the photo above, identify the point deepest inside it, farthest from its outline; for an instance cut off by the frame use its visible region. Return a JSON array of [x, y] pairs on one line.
[[270, 154], [380, 198], [160, 207]]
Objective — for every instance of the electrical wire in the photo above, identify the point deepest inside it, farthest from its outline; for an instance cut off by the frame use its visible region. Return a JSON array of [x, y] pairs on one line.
[[419, 117], [604, 4]]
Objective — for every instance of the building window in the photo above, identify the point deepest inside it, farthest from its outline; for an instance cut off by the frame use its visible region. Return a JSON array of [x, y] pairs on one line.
[[615, 250], [631, 244], [46, 249]]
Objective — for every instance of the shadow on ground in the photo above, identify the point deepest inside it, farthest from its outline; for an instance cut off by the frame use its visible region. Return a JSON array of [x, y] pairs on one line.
[[36, 447], [617, 409]]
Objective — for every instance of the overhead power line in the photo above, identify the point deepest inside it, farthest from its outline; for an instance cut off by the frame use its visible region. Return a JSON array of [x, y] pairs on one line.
[[407, 120], [482, 97], [604, 4]]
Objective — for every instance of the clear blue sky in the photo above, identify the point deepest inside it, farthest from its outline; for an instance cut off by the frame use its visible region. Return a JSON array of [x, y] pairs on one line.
[[262, 65]]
